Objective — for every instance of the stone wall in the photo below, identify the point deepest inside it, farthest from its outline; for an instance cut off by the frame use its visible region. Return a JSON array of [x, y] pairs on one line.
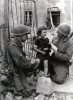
[[41, 7], [64, 6]]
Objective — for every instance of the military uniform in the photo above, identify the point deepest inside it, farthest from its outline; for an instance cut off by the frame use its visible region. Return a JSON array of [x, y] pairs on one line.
[[61, 59], [19, 57], [15, 49], [21, 65]]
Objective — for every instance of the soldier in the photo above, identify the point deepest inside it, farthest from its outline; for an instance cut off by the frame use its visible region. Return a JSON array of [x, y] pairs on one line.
[[61, 59], [18, 57]]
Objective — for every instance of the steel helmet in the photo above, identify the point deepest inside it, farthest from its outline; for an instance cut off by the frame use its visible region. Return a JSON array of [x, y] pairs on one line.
[[64, 28], [21, 30]]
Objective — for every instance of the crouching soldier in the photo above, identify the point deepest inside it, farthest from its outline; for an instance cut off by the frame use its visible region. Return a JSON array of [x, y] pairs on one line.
[[61, 59], [21, 64]]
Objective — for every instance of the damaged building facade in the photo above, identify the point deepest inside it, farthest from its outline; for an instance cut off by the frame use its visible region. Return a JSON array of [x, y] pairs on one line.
[[34, 13], [39, 7]]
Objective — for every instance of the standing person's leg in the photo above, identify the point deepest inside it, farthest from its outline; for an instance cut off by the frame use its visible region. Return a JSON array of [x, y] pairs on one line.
[[45, 67]]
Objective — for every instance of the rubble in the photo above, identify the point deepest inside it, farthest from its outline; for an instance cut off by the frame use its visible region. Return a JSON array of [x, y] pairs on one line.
[[44, 86], [40, 97]]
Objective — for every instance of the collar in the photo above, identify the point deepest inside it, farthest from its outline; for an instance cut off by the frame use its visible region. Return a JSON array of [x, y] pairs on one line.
[[63, 39], [18, 42]]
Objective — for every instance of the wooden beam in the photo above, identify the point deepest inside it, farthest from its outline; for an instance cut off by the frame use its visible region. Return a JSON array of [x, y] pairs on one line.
[[6, 12], [6, 18]]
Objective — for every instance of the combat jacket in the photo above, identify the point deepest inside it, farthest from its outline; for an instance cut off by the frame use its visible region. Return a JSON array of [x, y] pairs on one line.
[[17, 55], [65, 48]]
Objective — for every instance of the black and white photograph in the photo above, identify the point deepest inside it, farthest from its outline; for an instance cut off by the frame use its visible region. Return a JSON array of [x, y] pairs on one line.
[[36, 49]]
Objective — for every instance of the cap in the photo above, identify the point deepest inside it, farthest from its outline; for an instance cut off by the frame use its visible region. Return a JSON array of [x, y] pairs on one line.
[[64, 29], [21, 30]]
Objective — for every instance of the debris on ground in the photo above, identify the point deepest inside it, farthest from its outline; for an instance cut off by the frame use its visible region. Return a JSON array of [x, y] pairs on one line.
[[44, 86], [43, 90]]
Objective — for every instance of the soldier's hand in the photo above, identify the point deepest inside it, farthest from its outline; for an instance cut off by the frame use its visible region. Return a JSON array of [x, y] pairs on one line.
[[38, 60], [32, 47], [33, 61]]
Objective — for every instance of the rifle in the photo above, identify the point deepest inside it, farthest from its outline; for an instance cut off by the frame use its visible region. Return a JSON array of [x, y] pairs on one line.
[[9, 62]]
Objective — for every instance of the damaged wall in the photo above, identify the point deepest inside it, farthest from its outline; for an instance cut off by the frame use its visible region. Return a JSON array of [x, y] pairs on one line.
[[41, 7], [64, 6]]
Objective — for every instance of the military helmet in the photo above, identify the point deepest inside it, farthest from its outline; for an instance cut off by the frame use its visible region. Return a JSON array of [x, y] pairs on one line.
[[64, 29], [21, 30]]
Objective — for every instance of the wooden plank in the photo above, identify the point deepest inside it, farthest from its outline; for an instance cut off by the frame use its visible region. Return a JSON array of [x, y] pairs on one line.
[[6, 18]]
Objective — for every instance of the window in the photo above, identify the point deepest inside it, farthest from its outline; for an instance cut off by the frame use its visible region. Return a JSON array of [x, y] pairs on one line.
[[55, 12], [28, 18]]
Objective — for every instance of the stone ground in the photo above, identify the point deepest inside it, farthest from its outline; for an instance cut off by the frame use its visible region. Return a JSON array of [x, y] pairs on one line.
[[64, 91]]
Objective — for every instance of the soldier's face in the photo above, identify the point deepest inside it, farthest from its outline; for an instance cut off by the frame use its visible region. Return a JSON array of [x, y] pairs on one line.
[[60, 35], [24, 38]]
